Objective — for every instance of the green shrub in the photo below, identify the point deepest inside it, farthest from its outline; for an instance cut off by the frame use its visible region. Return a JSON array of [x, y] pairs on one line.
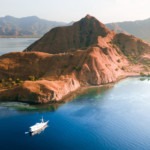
[[123, 68], [78, 68], [17, 80], [118, 61], [10, 79], [32, 78], [142, 74], [14, 83], [65, 66]]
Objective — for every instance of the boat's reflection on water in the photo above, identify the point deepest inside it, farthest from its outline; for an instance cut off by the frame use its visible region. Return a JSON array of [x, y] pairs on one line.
[[38, 131]]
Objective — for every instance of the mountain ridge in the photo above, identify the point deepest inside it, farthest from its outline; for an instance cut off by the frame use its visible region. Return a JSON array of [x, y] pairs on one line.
[[25, 27]]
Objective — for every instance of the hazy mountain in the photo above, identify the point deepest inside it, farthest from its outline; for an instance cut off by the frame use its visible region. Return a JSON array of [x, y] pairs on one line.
[[140, 28], [33, 26], [27, 26]]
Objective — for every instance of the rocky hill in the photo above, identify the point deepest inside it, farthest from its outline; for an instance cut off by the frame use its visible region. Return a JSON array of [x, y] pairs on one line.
[[81, 34], [25, 27], [84, 54], [138, 28]]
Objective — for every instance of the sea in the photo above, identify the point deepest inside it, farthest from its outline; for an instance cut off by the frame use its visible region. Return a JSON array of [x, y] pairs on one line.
[[113, 117], [15, 44]]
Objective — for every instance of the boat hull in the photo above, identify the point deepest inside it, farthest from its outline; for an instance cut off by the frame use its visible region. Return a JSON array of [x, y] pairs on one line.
[[38, 127], [38, 131]]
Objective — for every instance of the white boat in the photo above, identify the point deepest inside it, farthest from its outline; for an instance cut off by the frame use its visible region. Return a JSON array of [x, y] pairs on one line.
[[38, 126], [38, 131]]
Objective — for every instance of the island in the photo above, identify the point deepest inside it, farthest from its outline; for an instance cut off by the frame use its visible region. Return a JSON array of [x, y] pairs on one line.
[[68, 58]]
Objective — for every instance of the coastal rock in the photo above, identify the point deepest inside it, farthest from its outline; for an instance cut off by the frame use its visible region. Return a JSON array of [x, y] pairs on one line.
[[100, 68], [41, 91]]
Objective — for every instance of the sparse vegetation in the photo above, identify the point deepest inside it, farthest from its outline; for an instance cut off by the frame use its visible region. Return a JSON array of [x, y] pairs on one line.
[[32, 78], [132, 59], [144, 75], [65, 66], [123, 68], [118, 61], [10, 82], [77, 68], [105, 50]]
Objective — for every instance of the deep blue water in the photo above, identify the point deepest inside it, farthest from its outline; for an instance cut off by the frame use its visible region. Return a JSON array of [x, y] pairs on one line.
[[14, 44], [116, 118]]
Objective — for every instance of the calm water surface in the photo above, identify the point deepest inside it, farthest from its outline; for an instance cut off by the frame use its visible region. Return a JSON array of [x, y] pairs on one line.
[[14, 44], [116, 118]]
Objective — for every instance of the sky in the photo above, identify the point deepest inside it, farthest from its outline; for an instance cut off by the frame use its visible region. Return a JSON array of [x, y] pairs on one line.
[[72, 10]]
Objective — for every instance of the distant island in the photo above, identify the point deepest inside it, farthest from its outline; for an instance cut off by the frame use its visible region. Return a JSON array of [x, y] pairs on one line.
[[25, 27], [68, 58]]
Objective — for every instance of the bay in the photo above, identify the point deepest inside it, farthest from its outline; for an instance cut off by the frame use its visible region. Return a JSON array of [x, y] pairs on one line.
[[115, 118]]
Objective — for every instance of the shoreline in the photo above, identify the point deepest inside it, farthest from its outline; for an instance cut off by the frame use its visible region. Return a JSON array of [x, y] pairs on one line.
[[83, 89]]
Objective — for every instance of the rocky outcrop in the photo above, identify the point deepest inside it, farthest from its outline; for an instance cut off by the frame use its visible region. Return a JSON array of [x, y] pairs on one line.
[[84, 54], [41, 91], [102, 67]]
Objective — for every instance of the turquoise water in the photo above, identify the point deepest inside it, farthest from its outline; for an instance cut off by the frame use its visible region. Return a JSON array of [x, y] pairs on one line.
[[14, 44], [116, 118]]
